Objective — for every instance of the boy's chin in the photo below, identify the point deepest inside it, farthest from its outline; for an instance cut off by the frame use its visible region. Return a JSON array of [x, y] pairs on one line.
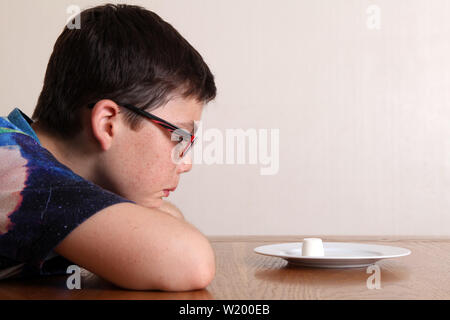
[[152, 203]]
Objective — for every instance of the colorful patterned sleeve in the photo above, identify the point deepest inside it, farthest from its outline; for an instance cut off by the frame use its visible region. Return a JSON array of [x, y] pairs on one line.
[[41, 202]]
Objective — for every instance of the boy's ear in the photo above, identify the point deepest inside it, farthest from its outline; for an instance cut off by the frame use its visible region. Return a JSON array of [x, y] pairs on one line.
[[105, 122]]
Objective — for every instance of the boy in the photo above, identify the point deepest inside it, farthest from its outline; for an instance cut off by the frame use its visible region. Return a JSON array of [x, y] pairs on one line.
[[82, 183]]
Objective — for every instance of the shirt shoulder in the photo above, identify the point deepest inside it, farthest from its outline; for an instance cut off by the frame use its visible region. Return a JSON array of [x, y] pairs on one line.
[[41, 200]]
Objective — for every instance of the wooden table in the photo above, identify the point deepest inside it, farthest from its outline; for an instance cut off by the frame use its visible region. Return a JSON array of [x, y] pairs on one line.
[[242, 274]]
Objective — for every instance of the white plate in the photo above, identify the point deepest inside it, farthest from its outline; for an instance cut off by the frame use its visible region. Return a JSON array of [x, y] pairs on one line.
[[337, 254]]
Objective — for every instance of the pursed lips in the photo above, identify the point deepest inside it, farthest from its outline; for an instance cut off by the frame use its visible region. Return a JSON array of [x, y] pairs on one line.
[[167, 191]]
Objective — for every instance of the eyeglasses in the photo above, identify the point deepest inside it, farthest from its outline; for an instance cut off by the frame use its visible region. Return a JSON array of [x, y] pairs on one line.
[[177, 134]]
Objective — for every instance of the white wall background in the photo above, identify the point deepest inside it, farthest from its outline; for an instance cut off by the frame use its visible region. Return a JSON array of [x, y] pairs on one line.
[[364, 115]]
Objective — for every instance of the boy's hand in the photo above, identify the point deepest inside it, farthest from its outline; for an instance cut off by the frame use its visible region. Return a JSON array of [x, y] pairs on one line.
[[171, 209]]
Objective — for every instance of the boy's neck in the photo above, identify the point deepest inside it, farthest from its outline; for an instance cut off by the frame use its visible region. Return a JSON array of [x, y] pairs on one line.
[[68, 152]]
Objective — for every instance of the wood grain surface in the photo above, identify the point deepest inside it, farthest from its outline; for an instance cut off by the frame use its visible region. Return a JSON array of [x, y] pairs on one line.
[[242, 274]]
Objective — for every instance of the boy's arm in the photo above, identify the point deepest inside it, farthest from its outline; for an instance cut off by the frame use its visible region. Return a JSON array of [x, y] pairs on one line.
[[141, 248]]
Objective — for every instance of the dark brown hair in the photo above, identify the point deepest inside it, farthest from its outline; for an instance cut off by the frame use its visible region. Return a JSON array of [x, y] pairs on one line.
[[124, 53]]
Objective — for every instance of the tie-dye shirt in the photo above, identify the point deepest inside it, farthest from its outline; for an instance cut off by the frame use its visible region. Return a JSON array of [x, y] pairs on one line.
[[41, 202]]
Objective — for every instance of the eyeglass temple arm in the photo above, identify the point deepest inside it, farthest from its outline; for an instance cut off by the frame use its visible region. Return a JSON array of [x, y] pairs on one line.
[[160, 121], [153, 117]]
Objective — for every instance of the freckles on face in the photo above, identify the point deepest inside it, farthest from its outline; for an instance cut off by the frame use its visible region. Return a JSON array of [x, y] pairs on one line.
[[149, 153], [153, 158]]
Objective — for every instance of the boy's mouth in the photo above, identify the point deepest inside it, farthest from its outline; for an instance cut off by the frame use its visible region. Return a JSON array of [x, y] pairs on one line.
[[167, 191]]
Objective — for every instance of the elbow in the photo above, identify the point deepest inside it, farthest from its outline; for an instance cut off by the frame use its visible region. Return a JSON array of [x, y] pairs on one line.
[[205, 275], [186, 272], [206, 270], [201, 274], [198, 278]]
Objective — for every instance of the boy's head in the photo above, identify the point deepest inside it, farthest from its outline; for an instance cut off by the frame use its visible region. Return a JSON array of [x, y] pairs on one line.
[[123, 55]]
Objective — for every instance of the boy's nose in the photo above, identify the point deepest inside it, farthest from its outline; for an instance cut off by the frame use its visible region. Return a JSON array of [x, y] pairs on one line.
[[186, 163]]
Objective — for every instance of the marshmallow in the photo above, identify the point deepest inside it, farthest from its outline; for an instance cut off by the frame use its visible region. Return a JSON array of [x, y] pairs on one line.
[[312, 247]]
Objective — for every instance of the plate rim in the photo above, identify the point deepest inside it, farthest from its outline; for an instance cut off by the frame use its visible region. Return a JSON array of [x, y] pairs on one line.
[[405, 253]]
